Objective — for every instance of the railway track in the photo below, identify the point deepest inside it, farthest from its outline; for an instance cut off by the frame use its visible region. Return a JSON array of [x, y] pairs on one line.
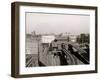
[[47, 59]]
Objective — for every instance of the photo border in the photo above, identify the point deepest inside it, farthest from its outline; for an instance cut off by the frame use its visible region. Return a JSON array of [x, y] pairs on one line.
[[15, 6]]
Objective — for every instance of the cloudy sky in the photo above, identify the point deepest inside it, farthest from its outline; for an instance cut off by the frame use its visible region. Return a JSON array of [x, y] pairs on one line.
[[57, 23]]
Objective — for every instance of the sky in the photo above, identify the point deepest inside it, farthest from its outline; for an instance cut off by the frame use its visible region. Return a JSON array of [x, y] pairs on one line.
[[46, 23]]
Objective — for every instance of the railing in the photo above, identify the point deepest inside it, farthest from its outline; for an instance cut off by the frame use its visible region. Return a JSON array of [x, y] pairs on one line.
[[31, 60]]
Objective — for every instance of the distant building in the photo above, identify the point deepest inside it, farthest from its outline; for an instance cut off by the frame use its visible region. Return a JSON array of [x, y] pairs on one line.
[[83, 38], [33, 33], [47, 38], [32, 49], [67, 37], [73, 38], [31, 43]]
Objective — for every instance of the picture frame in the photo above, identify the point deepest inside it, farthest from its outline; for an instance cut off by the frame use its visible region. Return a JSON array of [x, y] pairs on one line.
[[48, 23]]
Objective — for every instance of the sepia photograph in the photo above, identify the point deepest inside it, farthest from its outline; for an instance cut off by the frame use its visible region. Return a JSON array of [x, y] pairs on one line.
[[57, 39], [53, 39]]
